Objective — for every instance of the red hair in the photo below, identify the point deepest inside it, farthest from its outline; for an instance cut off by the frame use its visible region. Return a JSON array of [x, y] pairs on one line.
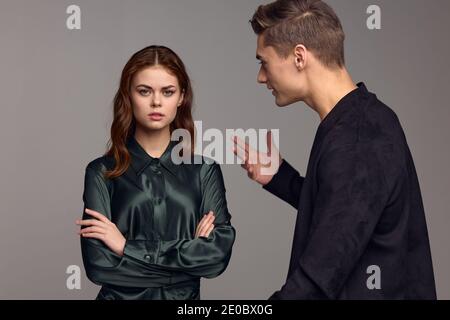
[[124, 124]]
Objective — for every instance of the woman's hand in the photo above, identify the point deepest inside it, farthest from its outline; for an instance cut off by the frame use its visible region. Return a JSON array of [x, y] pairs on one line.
[[102, 229], [260, 166], [205, 226]]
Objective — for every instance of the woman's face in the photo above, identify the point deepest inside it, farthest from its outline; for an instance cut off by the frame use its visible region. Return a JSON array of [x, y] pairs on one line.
[[155, 98]]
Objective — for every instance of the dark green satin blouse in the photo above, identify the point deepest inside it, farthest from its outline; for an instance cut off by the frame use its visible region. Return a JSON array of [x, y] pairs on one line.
[[157, 206]]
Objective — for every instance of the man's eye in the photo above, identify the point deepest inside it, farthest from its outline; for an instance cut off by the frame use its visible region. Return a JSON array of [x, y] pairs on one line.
[[168, 93]]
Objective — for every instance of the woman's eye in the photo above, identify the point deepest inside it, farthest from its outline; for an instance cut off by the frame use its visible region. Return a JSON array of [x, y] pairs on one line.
[[144, 92], [168, 93]]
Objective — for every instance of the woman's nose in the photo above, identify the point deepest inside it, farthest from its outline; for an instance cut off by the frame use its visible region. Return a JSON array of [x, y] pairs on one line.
[[156, 101]]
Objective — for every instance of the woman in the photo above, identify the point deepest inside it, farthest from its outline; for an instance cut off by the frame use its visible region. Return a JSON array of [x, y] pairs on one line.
[[151, 228]]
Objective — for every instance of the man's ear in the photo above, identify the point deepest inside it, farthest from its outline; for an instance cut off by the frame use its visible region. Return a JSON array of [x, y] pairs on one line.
[[300, 56], [180, 101]]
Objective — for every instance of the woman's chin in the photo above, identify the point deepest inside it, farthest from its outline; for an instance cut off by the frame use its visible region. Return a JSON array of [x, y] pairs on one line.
[[154, 126]]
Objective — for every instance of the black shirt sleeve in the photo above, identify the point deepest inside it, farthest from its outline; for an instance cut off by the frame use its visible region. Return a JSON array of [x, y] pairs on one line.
[[352, 194], [286, 184]]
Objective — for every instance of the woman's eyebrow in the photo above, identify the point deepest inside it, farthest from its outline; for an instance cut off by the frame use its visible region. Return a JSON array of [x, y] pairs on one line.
[[148, 87]]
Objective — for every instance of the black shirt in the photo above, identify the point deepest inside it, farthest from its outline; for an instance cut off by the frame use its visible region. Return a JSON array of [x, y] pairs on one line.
[[360, 212], [157, 205]]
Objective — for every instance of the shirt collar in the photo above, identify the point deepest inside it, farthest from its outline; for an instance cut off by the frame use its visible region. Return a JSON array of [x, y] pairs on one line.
[[140, 159], [355, 98]]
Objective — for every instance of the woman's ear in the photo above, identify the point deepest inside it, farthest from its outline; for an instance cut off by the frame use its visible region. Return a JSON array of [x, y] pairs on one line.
[[180, 101]]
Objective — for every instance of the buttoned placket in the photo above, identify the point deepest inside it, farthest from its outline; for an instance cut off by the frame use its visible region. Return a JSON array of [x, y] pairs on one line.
[[157, 196], [153, 184], [151, 180]]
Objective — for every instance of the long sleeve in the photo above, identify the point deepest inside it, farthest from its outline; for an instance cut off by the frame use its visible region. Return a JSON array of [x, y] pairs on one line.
[[204, 257], [102, 265], [351, 197], [286, 184]]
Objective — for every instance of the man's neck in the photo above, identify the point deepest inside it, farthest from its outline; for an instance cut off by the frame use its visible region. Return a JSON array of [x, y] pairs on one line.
[[328, 89]]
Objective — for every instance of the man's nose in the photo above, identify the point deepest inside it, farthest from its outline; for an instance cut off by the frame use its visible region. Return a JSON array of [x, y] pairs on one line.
[[261, 76]]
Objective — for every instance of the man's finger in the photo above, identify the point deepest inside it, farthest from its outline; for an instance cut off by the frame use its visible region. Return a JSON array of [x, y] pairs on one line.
[[241, 155], [251, 155], [269, 142], [242, 145], [245, 166]]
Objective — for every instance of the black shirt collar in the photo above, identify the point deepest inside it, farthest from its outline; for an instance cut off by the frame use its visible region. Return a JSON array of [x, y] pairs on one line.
[[140, 159], [345, 106]]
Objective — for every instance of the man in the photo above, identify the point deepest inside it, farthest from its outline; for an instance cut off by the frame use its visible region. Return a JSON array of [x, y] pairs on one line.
[[361, 231]]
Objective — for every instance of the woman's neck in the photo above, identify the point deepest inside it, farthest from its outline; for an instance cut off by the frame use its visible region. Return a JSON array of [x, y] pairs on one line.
[[154, 142]]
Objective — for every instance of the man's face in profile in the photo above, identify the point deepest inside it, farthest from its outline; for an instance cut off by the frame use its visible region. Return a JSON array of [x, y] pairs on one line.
[[279, 74]]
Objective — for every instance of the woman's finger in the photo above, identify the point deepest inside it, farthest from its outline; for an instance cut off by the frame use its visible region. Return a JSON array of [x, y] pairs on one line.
[[204, 219], [97, 215], [205, 224], [94, 235], [92, 229], [200, 224], [90, 222], [210, 229]]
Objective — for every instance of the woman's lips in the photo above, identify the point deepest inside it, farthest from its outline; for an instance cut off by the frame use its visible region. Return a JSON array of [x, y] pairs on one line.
[[155, 116]]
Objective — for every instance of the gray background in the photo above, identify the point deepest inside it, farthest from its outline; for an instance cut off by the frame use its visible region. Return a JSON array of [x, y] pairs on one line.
[[57, 87]]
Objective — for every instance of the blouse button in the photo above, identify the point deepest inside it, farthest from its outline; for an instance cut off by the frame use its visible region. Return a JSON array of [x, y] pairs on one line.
[[156, 171], [155, 163], [148, 257]]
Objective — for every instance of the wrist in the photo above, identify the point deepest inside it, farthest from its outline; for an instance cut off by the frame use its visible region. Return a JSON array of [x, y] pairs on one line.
[[121, 249]]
